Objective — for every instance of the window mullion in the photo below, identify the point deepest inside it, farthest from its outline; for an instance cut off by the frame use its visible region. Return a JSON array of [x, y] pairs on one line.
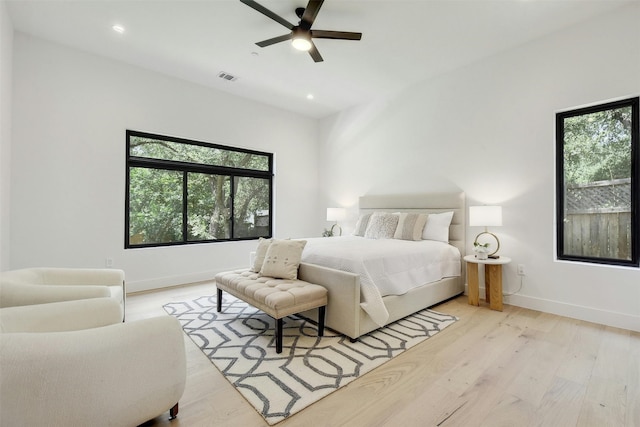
[[232, 199], [185, 206]]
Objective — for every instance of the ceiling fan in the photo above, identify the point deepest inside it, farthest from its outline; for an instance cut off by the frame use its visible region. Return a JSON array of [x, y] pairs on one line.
[[301, 35]]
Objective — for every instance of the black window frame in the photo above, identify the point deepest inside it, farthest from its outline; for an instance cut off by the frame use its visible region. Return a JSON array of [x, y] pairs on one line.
[[634, 190], [185, 168]]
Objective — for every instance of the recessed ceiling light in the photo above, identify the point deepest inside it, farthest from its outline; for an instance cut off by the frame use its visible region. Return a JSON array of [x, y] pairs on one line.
[[118, 28], [310, 96]]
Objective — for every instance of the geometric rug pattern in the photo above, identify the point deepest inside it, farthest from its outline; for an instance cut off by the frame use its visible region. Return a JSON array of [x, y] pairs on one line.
[[240, 342]]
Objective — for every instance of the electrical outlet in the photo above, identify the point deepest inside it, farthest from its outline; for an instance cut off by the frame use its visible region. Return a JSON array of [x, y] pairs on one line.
[[521, 270], [108, 262]]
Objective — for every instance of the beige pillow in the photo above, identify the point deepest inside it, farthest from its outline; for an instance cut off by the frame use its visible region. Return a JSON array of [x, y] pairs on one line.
[[283, 259], [410, 226], [261, 252]]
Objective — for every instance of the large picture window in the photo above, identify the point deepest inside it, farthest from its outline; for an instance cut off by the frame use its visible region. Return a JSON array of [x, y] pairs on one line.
[[597, 176], [181, 192]]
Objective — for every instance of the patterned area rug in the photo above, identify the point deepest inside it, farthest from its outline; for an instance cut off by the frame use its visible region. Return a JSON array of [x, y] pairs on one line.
[[240, 342]]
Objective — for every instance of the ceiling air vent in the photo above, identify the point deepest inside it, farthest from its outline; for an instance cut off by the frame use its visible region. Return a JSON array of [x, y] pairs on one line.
[[227, 76]]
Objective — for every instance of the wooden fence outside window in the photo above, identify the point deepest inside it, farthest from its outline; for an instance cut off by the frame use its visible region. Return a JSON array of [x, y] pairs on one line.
[[597, 220]]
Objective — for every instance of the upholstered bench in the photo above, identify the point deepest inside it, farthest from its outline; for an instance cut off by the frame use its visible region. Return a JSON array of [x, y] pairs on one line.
[[276, 297]]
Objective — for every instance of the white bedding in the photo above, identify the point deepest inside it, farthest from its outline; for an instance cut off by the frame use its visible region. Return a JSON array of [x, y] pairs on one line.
[[385, 266]]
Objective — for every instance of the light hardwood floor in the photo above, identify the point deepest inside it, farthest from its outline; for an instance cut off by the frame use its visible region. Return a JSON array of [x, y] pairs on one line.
[[513, 368]]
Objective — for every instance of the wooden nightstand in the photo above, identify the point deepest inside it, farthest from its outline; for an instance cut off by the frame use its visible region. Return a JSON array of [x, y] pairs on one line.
[[492, 280]]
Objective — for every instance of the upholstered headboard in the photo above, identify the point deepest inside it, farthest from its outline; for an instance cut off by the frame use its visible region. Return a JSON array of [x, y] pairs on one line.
[[424, 203]]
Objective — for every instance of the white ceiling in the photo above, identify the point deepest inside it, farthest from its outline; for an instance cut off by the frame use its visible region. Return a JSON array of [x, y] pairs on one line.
[[403, 42]]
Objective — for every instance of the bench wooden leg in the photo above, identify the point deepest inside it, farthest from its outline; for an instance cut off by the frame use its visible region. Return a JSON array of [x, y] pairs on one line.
[[279, 335], [219, 301], [173, 412], [321, 312]]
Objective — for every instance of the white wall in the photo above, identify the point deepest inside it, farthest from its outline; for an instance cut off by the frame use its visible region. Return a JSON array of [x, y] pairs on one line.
[[488, 129], [6, 57], [71, 110]]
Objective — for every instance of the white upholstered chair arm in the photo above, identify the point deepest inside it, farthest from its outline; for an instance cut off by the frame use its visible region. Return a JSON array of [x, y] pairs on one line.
[[25, 286], [80, 276], [118, 375], [15, 294], [65, 276], [61, 316]]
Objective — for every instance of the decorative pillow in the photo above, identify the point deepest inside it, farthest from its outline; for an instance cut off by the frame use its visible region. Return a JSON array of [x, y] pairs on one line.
[[261, 252], [283, 259], [410, 226], [437, 227], [361, 225], [381, 225]]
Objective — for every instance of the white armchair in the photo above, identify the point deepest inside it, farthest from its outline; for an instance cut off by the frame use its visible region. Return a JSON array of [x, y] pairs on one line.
[[44, 285], [77, 363]]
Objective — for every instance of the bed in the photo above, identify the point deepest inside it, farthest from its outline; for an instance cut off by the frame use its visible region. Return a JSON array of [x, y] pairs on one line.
[[353, 308]]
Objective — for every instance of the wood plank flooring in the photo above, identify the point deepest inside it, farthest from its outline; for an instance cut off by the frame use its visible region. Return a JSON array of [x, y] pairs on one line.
[[513, 368]]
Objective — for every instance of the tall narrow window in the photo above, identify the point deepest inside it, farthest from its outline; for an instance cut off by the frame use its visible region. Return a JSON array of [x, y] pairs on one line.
[[597, 175], [181, 191]]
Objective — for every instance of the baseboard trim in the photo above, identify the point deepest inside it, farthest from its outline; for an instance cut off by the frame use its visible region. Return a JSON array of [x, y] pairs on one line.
[[589, 314], [171, 281]]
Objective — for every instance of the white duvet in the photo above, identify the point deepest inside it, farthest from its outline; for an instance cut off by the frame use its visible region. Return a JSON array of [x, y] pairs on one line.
[[385, 266]]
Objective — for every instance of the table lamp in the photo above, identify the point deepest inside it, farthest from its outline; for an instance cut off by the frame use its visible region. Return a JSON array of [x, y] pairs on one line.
[[335, 214], [485, 216]]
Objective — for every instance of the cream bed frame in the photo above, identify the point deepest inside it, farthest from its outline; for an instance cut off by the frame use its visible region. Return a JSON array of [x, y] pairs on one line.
[[344, 314]]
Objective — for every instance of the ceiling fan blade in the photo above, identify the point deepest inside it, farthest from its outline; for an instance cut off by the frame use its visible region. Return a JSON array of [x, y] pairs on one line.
[[310, 13], [269, 42], [315, 54], [339, 35], [266, 12]]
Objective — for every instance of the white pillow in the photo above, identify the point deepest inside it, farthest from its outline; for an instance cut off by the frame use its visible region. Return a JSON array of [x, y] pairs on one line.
[[283, 259], [410, 226], [381, 225], [361, 225], [261, 252], [437, 227]]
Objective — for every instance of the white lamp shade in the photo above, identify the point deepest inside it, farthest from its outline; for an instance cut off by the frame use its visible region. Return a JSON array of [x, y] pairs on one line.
[[484, 216], [335, 214]]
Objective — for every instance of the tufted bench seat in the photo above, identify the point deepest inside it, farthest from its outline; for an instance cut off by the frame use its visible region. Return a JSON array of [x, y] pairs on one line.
[[276, 297]]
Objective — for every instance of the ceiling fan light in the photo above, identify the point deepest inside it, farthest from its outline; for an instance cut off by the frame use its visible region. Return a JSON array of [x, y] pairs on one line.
[[301, 43]]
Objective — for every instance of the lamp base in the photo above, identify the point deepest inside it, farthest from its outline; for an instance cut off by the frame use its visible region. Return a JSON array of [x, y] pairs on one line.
[[492, 255], [339, 228]]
